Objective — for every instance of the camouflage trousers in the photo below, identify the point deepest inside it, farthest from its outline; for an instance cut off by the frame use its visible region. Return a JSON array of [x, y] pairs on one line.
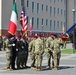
[[21, 59], [49, 57], [8, 59], [56, 58], [38, 60], [32, 57]]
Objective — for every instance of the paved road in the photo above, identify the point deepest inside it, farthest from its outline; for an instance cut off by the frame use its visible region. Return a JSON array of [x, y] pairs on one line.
[[67, 67]]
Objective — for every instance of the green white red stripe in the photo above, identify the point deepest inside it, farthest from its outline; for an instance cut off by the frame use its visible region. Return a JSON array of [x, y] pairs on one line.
[[13, 20]]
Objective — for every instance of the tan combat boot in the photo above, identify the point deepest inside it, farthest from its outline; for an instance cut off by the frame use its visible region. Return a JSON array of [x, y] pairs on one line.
[[33, 68], [48, 67], [55, 68], [38, 69]]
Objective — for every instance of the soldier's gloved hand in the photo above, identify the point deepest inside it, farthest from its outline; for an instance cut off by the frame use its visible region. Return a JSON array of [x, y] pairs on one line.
[[22, 47], [13, 44], [16, 49]]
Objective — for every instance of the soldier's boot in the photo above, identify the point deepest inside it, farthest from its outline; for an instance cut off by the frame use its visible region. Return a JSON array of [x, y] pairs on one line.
[[33, 68], [9, 69], [38, 69], [21, 66], [48, 67], [55, 68]]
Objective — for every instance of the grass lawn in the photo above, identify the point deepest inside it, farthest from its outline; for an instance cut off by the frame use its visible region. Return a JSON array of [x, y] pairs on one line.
[[68, 51]]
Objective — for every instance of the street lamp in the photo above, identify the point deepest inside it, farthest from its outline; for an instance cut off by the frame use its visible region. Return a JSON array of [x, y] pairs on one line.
[[73, 10], [42, 30], [43, 37]]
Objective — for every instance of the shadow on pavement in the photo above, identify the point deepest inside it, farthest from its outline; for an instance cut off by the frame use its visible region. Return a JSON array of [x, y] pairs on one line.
[[64, 67], [59, 68]]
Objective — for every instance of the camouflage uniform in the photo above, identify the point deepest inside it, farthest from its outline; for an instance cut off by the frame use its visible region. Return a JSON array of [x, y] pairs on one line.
[[32, 54], [8, 49], [56, 53], [1, 42], [49, 47], [38, 52]]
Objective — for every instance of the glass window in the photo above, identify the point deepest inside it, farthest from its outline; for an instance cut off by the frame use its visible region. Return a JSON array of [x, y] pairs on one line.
[[50, 0], [42, 7], [37, 22], [54, 24], [32, 22], [61, 24], [54, 11], [46, 22], [37, 7], [33, 7], [27, 3], [58, 10], [61, 11], [54, 1], [64, 13], [50, 24], [46, 8], [22, 2], [42, 22], [50, 11], [58, 24], [27, 19]]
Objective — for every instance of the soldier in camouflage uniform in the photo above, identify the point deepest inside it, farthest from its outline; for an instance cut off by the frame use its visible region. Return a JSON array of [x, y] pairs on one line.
[[1, 42], [49, 47], [56, 52], [38, 52], [32, 54], [8, 49]]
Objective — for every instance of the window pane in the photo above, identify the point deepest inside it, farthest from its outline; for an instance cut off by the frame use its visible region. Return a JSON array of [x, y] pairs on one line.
[[27, 3], [32, 6], [50, 11], [37, 7]]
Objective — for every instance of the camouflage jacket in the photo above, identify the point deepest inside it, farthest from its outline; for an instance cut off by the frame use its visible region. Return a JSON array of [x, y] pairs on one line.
[[39, 46], [32, 46]]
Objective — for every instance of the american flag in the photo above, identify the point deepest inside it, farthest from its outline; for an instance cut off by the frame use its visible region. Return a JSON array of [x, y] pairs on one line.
[[23, 20]]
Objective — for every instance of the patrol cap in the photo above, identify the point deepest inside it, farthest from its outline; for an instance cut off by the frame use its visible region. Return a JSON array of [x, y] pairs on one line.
[[39, 35]]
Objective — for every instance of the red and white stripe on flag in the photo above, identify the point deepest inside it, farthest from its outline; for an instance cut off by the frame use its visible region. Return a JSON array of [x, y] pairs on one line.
[[30, 26], [23, 21]]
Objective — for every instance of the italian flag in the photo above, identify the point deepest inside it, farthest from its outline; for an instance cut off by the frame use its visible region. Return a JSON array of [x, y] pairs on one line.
[[13, 20]]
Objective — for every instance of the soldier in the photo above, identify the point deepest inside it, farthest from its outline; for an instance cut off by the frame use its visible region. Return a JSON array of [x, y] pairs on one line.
[[25, 55], [8, 49], [39, 53], [1, 42], [49, 47], [13, 40], [56, 52], [32, 54], [18, 49]]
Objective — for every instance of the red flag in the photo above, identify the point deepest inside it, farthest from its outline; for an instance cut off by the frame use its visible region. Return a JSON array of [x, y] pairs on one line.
[[23, 20], [30, 26]]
